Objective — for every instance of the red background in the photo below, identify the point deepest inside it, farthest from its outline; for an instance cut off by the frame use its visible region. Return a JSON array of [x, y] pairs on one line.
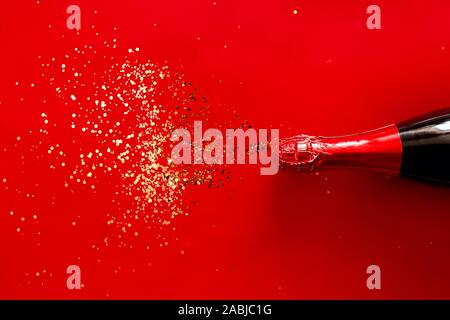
[[291, 236]]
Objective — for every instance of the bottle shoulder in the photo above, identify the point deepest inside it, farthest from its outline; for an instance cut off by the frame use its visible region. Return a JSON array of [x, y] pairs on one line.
[[439, 119]]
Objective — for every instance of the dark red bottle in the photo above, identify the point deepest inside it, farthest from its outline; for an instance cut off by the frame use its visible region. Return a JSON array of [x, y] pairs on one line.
[[418, 148]]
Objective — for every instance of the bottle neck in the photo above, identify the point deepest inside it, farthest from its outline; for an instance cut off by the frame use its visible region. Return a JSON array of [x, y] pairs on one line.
[[377, 150]]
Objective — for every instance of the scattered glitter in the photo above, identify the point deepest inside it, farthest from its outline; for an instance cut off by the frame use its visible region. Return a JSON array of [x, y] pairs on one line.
[[129, 111]]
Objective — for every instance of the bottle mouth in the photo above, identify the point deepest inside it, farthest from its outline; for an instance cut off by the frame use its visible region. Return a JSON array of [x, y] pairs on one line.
[[301, 151]]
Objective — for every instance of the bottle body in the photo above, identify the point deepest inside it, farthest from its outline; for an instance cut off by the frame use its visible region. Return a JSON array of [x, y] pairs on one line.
[[426, 147]]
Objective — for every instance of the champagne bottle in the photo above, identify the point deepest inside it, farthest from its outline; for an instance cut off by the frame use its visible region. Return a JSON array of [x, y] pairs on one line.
[[418, 148]]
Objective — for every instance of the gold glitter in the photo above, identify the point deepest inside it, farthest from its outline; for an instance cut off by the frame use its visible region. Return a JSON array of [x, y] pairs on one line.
[[130, 111]]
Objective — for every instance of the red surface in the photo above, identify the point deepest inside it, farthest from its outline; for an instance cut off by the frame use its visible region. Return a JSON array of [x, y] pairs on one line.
[[291, 236]]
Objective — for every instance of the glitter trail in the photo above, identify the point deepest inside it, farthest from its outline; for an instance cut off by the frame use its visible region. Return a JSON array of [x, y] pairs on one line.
[[120, 126]]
